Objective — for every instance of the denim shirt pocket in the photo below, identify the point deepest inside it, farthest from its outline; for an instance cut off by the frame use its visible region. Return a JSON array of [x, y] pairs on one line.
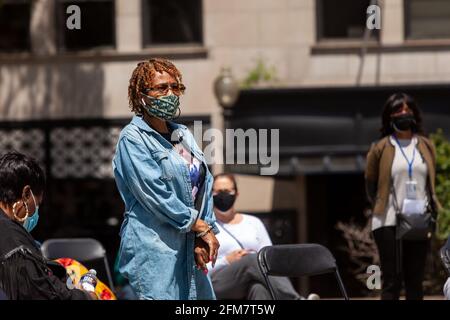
[[162, 158]]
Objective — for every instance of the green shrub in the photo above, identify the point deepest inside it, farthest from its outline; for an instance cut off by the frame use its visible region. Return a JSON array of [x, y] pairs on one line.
[[260, 74], [442, 182]]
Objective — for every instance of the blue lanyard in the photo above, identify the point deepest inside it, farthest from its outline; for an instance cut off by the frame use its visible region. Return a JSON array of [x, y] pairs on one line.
[[410, 163]]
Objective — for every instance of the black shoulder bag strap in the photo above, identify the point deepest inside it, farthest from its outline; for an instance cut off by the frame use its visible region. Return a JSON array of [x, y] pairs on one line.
[[398, 240], [394, 195]]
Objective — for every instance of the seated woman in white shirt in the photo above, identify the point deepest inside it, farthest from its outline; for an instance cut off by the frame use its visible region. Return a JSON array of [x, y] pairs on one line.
[[236, 274]]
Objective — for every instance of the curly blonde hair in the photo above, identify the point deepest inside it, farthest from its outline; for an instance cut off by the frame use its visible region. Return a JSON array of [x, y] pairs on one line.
[[142, 77]]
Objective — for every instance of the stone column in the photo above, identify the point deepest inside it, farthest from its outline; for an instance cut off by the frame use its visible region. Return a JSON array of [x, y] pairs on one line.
[[392, 22], [128, 26]]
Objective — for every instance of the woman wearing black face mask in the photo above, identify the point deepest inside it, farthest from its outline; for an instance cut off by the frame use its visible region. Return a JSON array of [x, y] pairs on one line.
[[236, 274], [400, 178]]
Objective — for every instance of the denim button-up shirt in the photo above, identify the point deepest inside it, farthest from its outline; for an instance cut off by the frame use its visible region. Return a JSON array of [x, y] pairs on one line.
[[157, 245]]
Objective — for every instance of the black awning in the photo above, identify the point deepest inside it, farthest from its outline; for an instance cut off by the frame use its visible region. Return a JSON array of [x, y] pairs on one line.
[[327, 129], [307, 165]]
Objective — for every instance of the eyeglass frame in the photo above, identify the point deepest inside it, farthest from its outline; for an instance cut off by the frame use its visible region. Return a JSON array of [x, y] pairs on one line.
[[181, 90]]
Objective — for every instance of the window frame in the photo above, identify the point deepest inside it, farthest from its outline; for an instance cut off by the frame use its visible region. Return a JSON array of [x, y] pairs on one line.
[[407, 26], [146, 42], [60, 32], [29, 49], [320, 39]]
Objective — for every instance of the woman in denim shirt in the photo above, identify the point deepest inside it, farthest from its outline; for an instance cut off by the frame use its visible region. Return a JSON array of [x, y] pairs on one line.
[[168, 232]]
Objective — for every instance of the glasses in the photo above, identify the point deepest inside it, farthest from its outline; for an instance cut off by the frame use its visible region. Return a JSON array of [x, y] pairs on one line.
[[163, 88]]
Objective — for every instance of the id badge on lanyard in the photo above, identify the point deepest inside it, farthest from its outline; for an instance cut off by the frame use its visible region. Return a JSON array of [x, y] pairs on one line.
[[411, 189], [412, 205]]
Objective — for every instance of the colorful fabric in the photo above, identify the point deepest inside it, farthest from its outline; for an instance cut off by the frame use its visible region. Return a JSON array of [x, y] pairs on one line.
[[76, 270], [194, 165]]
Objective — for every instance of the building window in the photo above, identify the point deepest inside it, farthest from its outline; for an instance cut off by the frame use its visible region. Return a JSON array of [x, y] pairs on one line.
[[342, 20], [15, 26], [172, 22], [427, 19], [97, 25]]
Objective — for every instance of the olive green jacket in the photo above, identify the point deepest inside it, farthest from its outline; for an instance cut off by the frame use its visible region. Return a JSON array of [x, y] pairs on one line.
[[378, 172]]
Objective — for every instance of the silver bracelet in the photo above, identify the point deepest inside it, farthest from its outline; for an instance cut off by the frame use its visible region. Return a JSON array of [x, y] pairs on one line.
[[202, 234]]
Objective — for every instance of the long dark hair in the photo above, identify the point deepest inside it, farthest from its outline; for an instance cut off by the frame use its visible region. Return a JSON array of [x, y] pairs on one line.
[[393, 104]]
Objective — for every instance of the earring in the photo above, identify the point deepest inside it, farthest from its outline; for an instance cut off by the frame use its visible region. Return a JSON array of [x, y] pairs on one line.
[[27, 212]]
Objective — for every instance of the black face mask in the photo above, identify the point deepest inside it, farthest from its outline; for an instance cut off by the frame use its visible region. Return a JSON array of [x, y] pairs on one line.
[[224, 200], [403, 122]]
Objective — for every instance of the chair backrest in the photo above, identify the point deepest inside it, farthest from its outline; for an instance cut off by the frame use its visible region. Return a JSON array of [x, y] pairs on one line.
[[80, 249], [447, 246], [296, 260], [445, 255]]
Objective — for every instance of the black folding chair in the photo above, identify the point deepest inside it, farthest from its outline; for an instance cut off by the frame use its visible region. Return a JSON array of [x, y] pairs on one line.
[[445, 256], [297, 260], [81, 249]]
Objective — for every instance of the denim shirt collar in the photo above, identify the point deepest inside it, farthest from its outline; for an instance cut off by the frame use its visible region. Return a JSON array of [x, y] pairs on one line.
[[139, 122]]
